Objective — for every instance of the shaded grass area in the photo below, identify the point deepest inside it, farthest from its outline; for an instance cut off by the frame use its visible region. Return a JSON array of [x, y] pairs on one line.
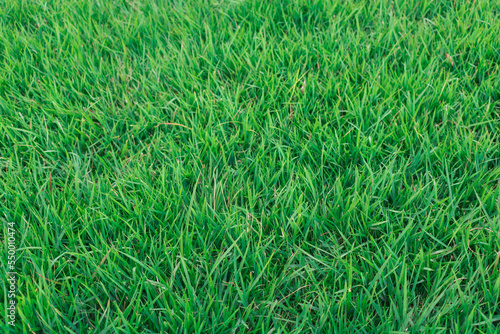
[[243, 166]]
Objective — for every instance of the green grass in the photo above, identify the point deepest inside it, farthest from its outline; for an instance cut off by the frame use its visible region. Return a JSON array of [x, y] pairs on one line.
[[251, 166]]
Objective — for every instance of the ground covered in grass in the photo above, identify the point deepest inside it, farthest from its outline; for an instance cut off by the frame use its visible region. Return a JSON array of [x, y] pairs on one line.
[[251, 166]]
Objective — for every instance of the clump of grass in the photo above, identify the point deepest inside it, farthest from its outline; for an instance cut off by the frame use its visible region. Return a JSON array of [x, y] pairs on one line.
[[249, 167]]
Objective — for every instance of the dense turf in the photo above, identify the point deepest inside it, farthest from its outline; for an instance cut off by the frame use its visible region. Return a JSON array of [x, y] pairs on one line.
[[249, 166]]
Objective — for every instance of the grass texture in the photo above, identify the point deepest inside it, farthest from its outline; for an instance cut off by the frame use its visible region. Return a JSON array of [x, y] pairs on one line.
[[237, 166]]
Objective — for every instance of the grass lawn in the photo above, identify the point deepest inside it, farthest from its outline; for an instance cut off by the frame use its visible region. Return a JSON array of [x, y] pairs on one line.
[[239, 166]]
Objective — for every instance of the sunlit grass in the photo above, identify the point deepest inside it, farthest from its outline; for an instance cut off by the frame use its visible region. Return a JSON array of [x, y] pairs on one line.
[[250, 166]]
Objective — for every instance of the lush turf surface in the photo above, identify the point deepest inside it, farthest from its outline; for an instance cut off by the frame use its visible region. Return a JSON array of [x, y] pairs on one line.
[[251, 166]]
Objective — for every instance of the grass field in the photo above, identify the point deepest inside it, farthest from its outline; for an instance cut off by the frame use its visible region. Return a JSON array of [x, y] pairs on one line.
[[244, 166]]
